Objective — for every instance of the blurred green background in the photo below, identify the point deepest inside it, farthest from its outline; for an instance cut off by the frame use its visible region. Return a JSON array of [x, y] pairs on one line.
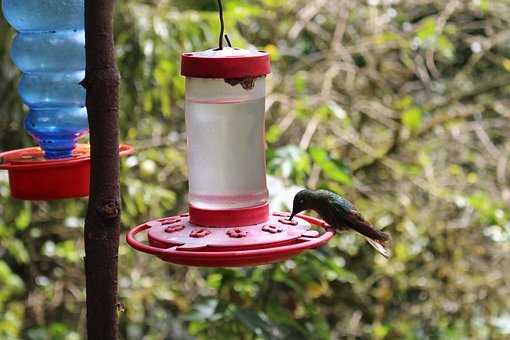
[[401, 106]]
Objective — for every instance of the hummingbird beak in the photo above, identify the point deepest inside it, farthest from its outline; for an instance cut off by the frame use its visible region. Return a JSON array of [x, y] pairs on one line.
[[291, 216]]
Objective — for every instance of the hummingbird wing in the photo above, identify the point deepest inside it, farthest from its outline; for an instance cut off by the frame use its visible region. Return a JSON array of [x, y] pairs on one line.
[[355, 221], [341, 214]]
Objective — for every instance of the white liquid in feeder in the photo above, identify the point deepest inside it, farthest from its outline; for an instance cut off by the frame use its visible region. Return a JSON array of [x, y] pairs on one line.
[[226, 147]]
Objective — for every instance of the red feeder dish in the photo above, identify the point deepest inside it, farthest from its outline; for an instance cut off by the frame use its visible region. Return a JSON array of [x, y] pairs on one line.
[[229, 224], [32, 177], [175, 239]]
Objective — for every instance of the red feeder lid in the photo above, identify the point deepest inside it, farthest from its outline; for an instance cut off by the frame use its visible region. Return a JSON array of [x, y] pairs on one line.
[[225, 63]]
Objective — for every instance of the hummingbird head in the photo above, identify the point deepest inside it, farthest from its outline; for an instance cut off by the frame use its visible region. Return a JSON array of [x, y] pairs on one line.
[[302, 201]]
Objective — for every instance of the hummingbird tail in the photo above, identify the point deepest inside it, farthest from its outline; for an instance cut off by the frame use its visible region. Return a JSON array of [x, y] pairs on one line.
[[377, 239], [382, 247]]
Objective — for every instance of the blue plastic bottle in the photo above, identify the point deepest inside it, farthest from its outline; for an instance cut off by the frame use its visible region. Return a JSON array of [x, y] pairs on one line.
[[50, 51]]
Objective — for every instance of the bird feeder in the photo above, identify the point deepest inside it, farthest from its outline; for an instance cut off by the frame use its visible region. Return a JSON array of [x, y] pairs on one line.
[[229, 223], [50, 52]]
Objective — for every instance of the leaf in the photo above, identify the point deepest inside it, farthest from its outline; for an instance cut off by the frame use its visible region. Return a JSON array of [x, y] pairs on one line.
[[337, 110], [9, 280], [205, 310], [380, 331], [197, 326], [386, 37], [273, 134], [484, 5], [506, 64], [273, 52], [67, 250], [23, 219], [333, 169], [280, 315], [427, 30], [403, 103], [300, 82], [412, 118], [251, 319], [18, 250], [445, 47], [287, 160]]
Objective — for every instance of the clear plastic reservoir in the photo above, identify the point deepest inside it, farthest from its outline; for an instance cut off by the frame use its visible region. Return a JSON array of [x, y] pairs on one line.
[[50, 51], [226, 146]]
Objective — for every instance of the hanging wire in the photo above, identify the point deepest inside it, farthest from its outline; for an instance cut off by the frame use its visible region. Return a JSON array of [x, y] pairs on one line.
[[228, 40], [222, 26]]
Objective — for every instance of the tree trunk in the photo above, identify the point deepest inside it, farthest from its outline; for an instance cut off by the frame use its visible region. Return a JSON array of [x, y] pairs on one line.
[[103, 215]]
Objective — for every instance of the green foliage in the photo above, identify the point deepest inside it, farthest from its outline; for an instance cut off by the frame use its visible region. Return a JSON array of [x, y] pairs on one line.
[[400, 106], [334, 170]]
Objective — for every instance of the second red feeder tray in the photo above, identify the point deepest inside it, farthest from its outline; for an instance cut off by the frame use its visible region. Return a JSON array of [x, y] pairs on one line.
[[32, 177]]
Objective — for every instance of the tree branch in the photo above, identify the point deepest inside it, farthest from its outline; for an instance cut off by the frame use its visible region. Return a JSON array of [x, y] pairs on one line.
[[103, 215]]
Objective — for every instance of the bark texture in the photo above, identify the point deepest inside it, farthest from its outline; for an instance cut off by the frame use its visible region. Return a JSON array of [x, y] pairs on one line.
[[103, 215]]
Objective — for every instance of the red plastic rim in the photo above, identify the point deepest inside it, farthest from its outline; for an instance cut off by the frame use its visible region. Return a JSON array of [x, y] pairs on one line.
[[239, 256], [32, 158], [226, 63], [229, 218], [31, 177]]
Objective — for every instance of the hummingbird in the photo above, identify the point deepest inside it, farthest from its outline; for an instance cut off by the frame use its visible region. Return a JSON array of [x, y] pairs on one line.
[[340, 214]]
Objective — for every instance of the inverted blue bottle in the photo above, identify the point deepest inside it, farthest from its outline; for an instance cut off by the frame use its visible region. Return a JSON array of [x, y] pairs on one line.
[[50, 51]]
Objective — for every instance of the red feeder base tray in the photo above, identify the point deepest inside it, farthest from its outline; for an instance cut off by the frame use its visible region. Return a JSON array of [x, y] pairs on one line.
[[175, 239], [32, 177]]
